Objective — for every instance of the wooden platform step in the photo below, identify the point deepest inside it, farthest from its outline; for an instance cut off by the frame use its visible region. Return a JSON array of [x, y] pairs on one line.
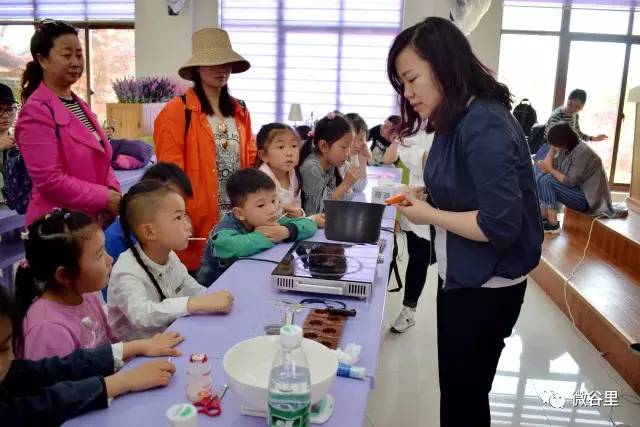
[[604, 294], [618, 239]]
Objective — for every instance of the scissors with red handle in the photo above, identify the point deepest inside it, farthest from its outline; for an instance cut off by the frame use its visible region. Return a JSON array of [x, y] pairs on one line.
[[210, 404]]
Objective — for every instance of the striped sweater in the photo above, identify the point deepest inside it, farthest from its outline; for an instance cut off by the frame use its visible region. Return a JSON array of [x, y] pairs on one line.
[[560, 115]]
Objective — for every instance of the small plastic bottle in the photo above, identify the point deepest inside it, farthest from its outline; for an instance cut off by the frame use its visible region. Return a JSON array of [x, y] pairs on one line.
[[290, 382], [198, 377]]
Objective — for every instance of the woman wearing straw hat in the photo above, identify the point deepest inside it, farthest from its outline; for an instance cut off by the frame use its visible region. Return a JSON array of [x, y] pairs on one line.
[[207, 133]]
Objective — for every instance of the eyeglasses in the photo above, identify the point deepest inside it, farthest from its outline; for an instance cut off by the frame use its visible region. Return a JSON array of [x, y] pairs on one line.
[[8, 110]]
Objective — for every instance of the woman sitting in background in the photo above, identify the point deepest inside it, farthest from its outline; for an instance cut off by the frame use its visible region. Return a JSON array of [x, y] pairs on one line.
[[572, 174]]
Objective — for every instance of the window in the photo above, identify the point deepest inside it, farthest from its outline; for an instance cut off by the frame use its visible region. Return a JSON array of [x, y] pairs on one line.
[[531, 16], [527, 78], [339, 45], [105, 30], [109, 47], [14, 53], [68, 10], [601, 110], [600, 21], [595, 42], [625, 149]]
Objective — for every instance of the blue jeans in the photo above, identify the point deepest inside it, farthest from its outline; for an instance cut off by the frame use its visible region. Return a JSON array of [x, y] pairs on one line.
[[552, 193]]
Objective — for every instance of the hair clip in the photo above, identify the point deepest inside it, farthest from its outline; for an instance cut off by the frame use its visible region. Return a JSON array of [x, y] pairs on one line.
[[331, 115], [24, 264], [24, 235], [310, 134]]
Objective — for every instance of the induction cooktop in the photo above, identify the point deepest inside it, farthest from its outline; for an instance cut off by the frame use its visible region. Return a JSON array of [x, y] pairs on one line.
[[328, 268]]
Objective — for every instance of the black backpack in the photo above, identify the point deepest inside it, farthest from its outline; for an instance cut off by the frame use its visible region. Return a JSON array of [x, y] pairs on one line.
[[17, 183], [526, 115], [536, 138]]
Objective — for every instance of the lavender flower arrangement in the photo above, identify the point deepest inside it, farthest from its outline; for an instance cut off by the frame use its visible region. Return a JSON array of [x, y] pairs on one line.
[[131, 90]]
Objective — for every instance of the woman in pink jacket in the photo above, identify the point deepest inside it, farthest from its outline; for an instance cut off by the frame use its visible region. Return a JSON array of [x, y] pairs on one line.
[[66, 153]]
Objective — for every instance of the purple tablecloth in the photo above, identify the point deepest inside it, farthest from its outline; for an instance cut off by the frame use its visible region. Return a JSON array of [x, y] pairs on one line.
[[250, 283]]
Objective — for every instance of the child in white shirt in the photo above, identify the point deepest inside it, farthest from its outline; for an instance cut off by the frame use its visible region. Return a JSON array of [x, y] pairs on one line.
[[149, 286]]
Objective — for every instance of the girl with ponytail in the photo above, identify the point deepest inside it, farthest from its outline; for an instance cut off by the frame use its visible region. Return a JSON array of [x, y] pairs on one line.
[[149, 286], [57, 292], [322, 155]]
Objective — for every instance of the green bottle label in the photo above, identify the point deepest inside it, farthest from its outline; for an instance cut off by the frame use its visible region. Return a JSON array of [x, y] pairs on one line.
[[280, 418]]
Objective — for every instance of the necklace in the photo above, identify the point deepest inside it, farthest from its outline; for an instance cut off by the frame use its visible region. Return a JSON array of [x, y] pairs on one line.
[[223, 130]]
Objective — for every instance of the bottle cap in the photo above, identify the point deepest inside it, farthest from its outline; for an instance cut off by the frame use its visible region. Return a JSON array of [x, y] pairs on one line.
[[199, 358], [182, 415], [291, 336]]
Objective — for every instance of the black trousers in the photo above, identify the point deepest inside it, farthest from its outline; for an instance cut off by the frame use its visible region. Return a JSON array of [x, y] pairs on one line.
[[472, 326], [417, 265]]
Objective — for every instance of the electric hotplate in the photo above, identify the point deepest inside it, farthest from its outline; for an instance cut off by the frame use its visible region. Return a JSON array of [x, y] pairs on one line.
[[328, 268]]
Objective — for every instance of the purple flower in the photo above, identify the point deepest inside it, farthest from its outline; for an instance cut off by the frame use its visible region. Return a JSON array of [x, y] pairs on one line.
[[145, 90]]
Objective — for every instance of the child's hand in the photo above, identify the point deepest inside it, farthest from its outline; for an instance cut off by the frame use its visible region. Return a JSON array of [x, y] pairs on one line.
[[292, 211], [275, 233], [218, 302], [163, 344], [353, 175], [319, 219], [153, 374], [364, 154]]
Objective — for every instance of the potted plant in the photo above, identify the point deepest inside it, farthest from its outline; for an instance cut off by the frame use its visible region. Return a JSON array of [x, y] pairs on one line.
[[139, 103]]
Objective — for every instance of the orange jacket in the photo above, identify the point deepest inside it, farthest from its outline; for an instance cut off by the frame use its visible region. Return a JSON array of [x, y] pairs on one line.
[[196, 155]]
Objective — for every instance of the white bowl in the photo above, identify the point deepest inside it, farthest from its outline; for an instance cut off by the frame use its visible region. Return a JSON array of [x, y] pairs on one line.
[[247, 366]]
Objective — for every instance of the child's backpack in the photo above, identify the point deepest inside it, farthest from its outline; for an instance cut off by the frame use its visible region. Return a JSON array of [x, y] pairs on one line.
[[17, 183], [526, 115]]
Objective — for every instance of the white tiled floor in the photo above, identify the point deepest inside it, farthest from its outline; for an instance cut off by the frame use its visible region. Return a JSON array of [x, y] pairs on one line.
[[543, 354]]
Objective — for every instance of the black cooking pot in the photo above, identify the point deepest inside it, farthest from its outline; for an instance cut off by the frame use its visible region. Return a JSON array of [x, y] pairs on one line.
[[356, 222]]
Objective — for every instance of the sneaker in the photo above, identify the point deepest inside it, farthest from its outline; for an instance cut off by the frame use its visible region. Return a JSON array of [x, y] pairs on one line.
[[550, 228], [404, 321]]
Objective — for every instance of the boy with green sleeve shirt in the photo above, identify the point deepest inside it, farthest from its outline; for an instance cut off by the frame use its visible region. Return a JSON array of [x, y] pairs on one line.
[[253, 224]]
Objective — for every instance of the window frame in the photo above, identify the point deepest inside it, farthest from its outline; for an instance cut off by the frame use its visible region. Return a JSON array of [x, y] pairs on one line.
[[87, 26], [566, 37], [282, 30]]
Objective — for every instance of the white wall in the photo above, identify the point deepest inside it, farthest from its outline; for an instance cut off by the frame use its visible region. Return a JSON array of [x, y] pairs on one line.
[[485, 39], [163, 42]]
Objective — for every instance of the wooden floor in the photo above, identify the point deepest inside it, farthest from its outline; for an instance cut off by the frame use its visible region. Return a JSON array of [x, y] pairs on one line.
[[604, 292]]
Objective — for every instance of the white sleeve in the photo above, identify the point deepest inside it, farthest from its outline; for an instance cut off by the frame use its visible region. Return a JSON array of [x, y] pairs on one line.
[[413, 149], [118, 355], [131, 296]]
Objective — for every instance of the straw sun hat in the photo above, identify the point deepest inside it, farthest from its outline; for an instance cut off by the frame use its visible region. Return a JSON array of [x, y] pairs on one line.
[[211, 46]]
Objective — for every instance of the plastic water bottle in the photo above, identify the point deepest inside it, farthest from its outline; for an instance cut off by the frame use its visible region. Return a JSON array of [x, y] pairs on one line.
[[289, 382], [198, 377]]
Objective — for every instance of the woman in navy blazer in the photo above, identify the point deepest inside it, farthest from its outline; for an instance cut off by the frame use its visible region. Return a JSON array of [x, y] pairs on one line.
[[67, 155], [482, 204]]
